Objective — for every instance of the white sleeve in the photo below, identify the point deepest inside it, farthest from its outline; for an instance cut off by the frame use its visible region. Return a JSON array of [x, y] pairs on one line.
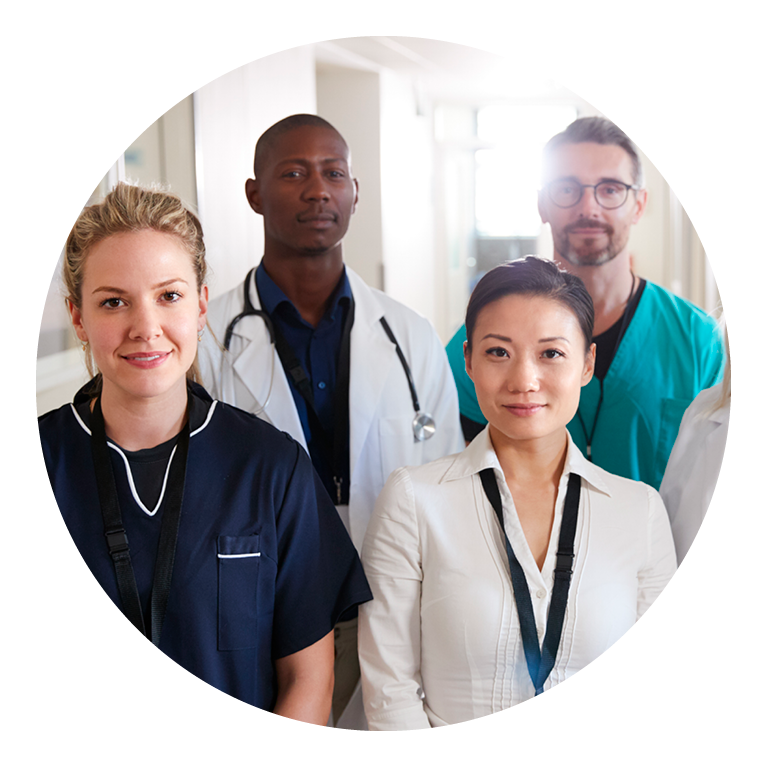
[[390, 625], [660, 561]]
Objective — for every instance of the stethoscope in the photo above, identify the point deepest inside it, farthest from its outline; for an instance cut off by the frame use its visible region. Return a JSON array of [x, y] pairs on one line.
[[424, 425]]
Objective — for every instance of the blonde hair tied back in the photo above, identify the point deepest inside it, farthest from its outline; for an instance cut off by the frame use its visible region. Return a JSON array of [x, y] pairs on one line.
[[130, 208]]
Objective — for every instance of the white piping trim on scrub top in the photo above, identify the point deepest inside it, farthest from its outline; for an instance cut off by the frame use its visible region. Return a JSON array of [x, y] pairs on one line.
[[238, 556], [131, 483]]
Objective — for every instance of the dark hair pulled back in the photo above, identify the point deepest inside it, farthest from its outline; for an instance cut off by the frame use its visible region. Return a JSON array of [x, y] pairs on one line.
[[532, 276]]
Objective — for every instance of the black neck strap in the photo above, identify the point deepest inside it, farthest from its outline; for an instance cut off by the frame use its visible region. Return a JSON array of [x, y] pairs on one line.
[[541, 661], [624, 324], [117, 539], [334, 446]]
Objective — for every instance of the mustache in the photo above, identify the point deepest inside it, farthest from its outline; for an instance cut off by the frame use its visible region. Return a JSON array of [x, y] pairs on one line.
[[588, 224]]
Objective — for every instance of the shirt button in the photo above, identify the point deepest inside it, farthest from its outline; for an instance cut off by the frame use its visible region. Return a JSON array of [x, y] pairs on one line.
[[321, 385], [540, 593], [540, 633]]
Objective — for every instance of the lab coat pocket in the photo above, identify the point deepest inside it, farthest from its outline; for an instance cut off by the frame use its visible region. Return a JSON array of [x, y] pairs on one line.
[[398, 446], [239, 565]]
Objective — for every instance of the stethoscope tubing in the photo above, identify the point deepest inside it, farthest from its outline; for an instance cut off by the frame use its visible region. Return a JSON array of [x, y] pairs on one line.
[[424, 425]]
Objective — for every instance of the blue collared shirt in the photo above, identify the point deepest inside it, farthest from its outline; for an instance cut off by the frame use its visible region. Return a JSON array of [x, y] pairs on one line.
[[317, 350]]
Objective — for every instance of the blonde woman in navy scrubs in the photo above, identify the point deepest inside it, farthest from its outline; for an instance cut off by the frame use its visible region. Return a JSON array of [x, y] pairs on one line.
[[503, 570], [205, 525]]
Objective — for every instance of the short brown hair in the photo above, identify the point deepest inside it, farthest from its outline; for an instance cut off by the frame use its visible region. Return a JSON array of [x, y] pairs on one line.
[[597, 130]]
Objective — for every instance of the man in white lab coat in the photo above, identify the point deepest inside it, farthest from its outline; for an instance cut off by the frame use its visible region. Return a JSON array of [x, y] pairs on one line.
[[334, 377]]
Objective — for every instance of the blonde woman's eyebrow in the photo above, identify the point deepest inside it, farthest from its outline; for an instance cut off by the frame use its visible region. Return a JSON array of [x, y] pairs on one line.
[[121, 292]]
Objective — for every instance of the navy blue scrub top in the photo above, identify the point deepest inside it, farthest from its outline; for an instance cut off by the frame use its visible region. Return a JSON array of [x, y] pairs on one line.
[[264, 566]]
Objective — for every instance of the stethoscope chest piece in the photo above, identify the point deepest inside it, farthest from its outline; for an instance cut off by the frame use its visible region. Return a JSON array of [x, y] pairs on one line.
[[423, 426]]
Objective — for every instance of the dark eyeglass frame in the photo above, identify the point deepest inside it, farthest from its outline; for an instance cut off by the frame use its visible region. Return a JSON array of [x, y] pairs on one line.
[[627, 187]]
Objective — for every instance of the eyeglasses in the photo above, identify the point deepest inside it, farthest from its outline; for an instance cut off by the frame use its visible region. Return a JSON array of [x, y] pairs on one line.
[[609, 194]]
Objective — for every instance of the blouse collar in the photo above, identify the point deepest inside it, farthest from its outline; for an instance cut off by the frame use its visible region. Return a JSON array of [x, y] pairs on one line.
[[480, 454]]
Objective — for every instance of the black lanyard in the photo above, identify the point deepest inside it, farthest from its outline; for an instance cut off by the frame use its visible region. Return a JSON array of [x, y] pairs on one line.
[[541, 661], [117, 540], [335, 447], [624, 324]]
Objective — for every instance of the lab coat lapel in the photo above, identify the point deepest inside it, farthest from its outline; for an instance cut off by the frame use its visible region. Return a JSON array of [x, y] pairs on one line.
[[372, 355], [253, 367]]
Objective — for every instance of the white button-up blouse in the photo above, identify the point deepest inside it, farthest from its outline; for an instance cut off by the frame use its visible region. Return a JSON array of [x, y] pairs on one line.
[[440, 642]]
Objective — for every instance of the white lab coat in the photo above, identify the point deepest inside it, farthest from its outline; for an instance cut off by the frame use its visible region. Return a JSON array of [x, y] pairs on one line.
[[693, 466], [380, 406]]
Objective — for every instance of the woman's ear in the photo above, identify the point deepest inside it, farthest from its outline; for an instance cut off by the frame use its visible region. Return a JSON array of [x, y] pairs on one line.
[[77, 321], [203, 318], [467, 359], [588, 365]]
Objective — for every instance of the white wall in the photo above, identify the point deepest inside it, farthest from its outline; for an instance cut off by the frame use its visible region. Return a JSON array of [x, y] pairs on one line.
[[407, 194]]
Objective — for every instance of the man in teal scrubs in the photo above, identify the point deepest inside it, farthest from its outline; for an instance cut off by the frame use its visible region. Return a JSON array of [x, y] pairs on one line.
[[655, 351]]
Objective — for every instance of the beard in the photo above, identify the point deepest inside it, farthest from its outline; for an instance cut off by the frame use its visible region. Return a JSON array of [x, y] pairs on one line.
[[589, 252]]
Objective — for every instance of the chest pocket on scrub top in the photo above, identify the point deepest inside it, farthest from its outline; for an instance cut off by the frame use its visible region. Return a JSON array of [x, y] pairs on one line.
[[239, 575]]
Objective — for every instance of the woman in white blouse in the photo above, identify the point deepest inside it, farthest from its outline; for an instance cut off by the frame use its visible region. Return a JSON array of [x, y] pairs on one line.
[[447, 637]]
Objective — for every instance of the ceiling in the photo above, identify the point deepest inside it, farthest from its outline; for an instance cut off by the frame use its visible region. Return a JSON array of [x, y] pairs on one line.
[[445, 71]]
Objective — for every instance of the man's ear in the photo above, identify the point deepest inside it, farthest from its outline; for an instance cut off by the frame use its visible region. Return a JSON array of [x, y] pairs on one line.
[[542, 208], [356, 195], [253, 193], [639, 205]]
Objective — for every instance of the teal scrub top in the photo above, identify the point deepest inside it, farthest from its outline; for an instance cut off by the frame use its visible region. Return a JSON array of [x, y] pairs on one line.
[[670, 352]]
